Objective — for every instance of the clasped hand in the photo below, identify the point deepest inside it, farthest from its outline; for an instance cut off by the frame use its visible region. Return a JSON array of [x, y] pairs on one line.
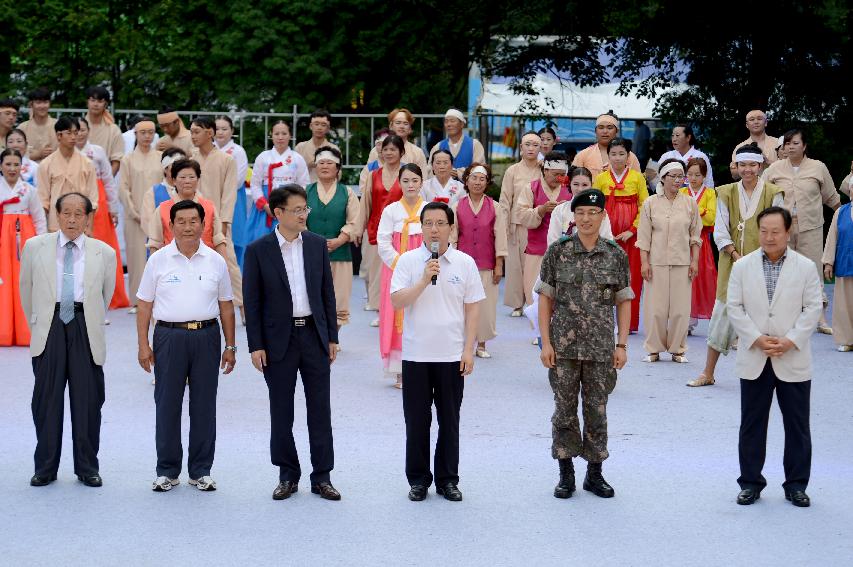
[[774, 346]]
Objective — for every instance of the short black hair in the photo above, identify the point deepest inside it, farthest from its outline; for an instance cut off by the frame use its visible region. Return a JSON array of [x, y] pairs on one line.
[[98, 93], [616, 142], [86, 201], [280, 195], [206, 122], [688, 131], [786, 216], [8, 103], [183, 206], [321, 113], [66, 122], [396, 141], [185, 163], [450, 155], [438, 205], [39, 93], [789, 135]]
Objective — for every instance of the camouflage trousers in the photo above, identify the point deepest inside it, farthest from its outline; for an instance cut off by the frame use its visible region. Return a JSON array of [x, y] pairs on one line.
[[595, 380]]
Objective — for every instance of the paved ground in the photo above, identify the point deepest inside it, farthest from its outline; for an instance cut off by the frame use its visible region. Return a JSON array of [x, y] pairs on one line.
[[673, 464]]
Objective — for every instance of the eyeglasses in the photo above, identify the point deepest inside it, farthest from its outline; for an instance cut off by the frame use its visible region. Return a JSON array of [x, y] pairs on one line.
[[437, 224], [585, 214], [297, 212], [674, 176]]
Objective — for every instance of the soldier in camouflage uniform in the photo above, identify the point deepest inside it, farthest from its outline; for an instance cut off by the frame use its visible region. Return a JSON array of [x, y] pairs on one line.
[[583, 277]]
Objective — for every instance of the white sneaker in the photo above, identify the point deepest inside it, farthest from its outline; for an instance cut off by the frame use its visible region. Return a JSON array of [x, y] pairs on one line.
[[132, 310], [164, 484], [204, 483], [844, 348], [375, 322]]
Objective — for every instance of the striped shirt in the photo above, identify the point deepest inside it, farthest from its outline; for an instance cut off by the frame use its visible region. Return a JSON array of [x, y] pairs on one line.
[[771, 272]]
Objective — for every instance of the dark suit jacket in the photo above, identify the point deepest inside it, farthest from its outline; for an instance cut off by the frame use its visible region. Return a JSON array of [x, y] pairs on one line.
[[266, 294]]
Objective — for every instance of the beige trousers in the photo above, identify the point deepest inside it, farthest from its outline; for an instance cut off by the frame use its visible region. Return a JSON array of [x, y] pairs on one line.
[[342, 279], [135, 255], [809, 243], [514, 293], [842, 311], [666, 309], [370, 258], [530, 271], [487, 318], [234, 271]]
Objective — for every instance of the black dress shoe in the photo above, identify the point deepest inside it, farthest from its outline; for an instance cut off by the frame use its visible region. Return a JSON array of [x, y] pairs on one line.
[[93, 480], [798, 498], [748, 496], [594, 482], [42, 480], [449, 491], [325, 490], [418, 493], [284, 489]]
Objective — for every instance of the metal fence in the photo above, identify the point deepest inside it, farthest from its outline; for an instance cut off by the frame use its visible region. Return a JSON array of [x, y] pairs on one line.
[[353, 133]]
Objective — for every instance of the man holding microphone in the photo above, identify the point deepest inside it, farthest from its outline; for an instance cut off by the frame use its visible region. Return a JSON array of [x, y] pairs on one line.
[[439, 289]]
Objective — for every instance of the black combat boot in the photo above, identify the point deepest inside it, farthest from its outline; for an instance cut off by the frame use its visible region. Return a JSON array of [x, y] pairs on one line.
[[566, 486], [595, 483]]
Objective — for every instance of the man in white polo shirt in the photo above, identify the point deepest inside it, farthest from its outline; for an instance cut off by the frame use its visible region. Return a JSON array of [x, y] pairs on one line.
[[186, 286], [439, 292]]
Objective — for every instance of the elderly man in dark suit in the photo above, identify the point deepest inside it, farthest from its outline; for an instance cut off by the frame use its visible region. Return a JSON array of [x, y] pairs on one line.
[[291, 324]]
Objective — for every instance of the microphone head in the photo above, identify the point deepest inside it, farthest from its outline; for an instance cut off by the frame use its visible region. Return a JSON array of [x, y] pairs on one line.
[[433, 247]]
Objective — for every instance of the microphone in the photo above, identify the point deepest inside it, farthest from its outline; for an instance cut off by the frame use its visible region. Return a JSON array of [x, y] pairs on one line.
[[433, 247]]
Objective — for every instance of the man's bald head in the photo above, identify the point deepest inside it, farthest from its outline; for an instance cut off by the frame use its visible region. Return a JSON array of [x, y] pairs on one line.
[[756, 122]]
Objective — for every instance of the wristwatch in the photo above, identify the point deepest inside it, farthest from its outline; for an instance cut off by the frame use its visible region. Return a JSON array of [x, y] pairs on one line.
[[620, 345], [231, 347]]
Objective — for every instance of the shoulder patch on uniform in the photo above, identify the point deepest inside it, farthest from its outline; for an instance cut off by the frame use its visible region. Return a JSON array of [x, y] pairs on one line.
[[563, 238]]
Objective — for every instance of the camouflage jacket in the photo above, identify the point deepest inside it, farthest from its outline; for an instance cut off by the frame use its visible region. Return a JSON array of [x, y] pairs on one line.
[[585, 286]]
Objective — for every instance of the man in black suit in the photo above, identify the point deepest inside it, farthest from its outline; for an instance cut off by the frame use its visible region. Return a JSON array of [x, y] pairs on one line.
[[291, 324]]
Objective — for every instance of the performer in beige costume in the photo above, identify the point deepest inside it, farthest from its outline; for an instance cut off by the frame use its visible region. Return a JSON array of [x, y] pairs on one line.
[[102, 128], [175, 134], [65, 171], [319, 123], [401, 121], [756, 123], [594, 157], [219, 185], [808, 186], [516, 179], [669, 238], [140, 170], [41, 137]]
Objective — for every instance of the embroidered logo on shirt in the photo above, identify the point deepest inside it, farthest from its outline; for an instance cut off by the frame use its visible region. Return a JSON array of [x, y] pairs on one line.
[[173, 278], [454, 280]]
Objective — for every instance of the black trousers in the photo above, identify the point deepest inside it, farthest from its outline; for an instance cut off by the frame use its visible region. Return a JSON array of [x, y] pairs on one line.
[[307, 356], [180, 354], [67, 357], [756, 397], [425, 383]]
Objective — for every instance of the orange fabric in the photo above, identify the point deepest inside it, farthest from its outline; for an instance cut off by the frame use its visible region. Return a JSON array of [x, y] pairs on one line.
[[209, 212], [103, 230], [13, 321]]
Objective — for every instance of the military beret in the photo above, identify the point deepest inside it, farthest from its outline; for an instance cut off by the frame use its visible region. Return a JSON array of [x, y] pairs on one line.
[[588, 198]]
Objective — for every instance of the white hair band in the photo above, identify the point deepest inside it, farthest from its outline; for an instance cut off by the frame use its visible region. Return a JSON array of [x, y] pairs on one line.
[[742, 157], [479, 169], [556, 164], [453, 113], [672, 166], [327, 156], [169, 160]]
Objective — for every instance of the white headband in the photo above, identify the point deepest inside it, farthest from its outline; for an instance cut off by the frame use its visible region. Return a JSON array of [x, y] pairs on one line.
[[479, 169], [671, 166], [169, 160], [328, 156], [740, 158], [453, 113], [556, 164]]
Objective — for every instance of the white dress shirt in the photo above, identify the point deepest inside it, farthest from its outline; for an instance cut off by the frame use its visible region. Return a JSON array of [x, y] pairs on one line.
[[294, 262], [79, 265], [185, 289]]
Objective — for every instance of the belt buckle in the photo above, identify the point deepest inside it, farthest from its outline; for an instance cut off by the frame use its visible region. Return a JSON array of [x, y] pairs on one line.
[[194, 325], [300, 322]]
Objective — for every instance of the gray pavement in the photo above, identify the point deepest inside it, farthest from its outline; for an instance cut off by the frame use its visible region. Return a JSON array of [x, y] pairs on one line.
[[673, 464]]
